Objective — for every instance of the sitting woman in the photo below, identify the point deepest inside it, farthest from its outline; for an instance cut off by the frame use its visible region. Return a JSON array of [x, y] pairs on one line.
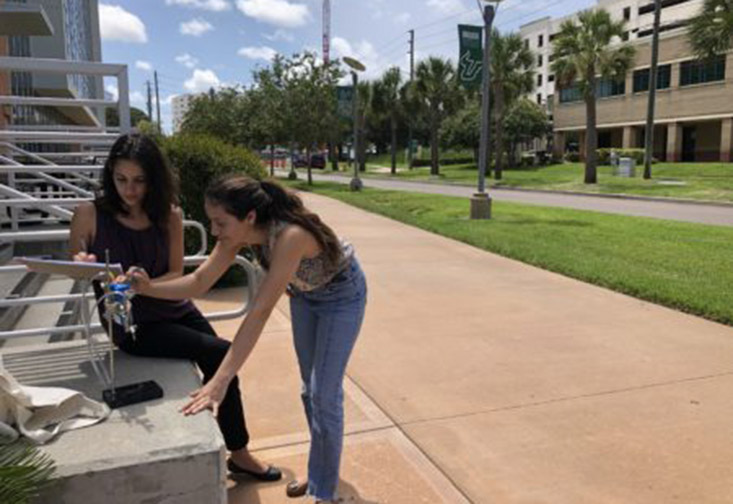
[[136, 220]]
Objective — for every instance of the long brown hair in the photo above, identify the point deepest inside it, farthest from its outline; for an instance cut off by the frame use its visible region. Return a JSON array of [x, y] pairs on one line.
[[160, 192], [239, 194]]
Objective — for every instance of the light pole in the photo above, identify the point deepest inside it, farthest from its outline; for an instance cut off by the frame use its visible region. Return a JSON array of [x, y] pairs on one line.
[[481, 202], [356, 66]]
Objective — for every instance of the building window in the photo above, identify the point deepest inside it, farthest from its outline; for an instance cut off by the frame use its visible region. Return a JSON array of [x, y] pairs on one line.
[[526, 43], [641, 78], [570, 94], [604, 88], [540, 40], [552, 36], [539, 60], [627, 13], [551, 78], [698, 72], [539, 98], [625, 36], [646, 9], [610, 87], [539, 80]]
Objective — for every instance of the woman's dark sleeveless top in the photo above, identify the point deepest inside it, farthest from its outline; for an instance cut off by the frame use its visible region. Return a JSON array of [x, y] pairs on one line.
[[148, 248]]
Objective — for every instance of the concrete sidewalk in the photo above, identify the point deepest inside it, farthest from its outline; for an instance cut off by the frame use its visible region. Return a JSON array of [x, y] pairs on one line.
[[481, 379]]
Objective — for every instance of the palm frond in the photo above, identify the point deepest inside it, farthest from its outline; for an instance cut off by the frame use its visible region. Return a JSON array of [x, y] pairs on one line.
[[24, 472]]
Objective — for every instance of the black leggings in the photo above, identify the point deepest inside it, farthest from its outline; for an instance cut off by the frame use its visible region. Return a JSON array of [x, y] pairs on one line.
[[192, 337]]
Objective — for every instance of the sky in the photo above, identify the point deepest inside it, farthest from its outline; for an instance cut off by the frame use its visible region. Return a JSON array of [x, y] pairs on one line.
[[198, 44]]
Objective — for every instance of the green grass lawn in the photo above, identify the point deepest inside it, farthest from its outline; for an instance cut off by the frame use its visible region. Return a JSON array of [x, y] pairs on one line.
[[688, 267], [700, 181]]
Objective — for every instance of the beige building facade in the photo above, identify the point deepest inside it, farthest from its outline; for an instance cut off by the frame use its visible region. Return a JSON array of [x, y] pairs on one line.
[[694, 103]]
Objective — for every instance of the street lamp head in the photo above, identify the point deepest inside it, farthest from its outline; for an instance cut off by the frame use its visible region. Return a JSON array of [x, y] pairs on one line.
[[354, 64]]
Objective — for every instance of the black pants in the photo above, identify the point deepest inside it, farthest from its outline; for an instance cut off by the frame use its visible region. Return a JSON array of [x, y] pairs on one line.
[[192, 337]]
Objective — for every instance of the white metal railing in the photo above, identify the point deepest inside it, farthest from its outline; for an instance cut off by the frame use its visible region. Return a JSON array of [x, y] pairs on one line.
[[40, 65], [62, 234], [97, 327]]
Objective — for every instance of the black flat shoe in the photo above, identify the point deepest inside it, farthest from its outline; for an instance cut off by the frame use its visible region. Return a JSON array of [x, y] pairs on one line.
[[271, 474]]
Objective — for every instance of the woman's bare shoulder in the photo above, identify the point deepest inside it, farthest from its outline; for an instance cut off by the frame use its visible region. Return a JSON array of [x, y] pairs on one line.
[[86, 210]]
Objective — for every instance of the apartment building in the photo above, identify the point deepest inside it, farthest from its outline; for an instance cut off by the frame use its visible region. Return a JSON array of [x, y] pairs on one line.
[[55, 29], [180, 105], [694, 110]]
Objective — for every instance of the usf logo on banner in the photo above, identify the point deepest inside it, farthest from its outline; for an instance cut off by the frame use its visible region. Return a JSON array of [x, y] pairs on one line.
[[470, 56]]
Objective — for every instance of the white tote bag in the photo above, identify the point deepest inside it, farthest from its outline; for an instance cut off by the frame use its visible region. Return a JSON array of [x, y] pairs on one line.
[[40, 413]]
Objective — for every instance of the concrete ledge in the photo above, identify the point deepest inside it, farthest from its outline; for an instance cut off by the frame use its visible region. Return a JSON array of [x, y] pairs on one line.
[[147, 452]]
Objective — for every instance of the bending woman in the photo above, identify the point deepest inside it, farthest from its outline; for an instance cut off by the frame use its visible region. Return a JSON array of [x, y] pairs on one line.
[[328, 296], [136, 220]]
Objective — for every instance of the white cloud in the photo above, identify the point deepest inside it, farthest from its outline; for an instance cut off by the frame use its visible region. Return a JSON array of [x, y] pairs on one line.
[[112, 89], [447, 6], [187, 60], [143, 65], [195, 27], [362, 51], [201, 81], [275, 12], [210, 5], [264, 52], [118, 24], [279, 34], [137, 97], [402, 18]]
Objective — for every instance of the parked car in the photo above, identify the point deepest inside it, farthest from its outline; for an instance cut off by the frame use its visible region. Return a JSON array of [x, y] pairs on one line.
[[316, 161]]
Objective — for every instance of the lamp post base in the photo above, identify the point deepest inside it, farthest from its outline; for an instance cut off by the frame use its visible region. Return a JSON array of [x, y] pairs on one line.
[[480, 206], [356, 184]]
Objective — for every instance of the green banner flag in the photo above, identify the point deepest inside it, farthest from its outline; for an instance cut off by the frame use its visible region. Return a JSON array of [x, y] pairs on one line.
[[345, 98], [470, 56]]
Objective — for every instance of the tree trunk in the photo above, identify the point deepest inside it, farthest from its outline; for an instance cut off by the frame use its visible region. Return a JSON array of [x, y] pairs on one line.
[[499, 110], [272, 160], [434, 159], [308, 164], [394, 145], [591, 139]]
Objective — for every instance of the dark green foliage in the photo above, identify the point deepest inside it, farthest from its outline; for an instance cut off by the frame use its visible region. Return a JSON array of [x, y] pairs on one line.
[[24, 472], [198, 160]]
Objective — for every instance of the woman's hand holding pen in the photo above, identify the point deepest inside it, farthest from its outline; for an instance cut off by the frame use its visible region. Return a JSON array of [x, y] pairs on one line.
[[85, 257]]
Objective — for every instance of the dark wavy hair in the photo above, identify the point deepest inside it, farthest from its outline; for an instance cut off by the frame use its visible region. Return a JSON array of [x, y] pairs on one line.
[[160, 193], [239, 194]]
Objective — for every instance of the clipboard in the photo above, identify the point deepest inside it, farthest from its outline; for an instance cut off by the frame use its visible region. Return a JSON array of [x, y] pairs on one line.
[[71, 269]]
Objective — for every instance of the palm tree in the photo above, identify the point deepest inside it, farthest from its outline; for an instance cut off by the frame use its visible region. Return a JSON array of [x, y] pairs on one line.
[[512, 75], [711, 31], [584, 55], [437, 89], [365, 90], [386, 101]]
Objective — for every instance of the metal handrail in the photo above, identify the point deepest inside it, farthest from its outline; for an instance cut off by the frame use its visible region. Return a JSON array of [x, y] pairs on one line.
[[97, 327], [63, 234]]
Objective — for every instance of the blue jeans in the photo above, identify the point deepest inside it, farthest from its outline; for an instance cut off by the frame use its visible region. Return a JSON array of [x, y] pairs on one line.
[[326, 323]]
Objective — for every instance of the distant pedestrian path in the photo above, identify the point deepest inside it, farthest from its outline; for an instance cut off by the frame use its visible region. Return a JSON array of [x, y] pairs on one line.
[[702, 213]]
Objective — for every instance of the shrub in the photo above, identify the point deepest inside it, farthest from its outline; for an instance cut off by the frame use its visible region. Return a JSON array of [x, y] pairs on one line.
[[604, 155], [198, 160], [572, 157]]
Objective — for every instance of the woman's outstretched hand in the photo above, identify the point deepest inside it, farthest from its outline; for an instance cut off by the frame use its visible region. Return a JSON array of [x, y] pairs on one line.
[[209, 396], [139, 279]]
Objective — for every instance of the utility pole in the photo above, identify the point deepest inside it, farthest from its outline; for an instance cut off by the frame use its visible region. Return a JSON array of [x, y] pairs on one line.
[[150, 101], [157, 101], [481, 202], [649, 136], [412, 77]]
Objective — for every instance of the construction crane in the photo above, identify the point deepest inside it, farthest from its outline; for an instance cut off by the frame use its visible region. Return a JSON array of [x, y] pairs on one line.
[[326, 30]]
